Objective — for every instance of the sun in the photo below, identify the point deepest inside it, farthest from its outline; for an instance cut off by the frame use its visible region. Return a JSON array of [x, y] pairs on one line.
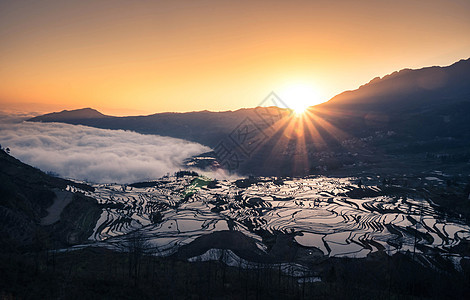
[[299, 97]]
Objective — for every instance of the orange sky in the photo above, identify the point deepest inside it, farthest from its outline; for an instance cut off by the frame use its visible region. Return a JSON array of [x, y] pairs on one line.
[[141, 57]]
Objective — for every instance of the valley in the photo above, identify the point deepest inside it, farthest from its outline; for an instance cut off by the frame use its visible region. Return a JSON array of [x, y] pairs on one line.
[[317, 216]]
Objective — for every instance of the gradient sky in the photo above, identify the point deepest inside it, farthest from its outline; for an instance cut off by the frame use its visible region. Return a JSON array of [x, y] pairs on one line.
[[141, 57]]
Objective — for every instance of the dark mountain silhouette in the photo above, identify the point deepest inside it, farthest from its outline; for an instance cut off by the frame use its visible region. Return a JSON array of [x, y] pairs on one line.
[[427, 103], [409, 89], [77, 114], [407, 115], [204, 127]]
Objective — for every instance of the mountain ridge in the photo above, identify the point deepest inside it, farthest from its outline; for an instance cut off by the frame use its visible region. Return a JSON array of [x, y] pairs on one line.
[[81, 113], [406, 85], [412, 112], [463, 65]]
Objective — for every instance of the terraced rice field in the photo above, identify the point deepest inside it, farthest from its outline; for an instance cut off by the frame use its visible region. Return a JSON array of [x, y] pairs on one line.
[[336, 216]]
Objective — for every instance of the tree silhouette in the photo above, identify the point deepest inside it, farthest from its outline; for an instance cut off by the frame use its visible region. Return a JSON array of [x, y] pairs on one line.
[[137, 246]]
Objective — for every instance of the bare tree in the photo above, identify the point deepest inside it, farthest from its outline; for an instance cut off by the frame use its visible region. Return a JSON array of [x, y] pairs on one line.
[[137, 246]]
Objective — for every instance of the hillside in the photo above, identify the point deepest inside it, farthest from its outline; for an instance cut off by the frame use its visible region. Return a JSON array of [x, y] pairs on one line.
[[31, 214]]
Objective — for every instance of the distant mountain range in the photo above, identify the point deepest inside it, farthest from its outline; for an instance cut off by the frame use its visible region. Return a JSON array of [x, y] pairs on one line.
[[204, 127], [422, 114]]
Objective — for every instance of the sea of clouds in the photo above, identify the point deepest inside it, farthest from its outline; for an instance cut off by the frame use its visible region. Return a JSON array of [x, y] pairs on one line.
[[92, 154]]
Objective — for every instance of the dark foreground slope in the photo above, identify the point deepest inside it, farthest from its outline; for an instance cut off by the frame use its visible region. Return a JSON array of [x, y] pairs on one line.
[[27, 194], [101, 274], [417, 117], [136, 273]]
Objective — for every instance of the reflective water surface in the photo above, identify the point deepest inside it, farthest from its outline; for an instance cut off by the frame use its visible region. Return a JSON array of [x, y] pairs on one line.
[[335, 215]]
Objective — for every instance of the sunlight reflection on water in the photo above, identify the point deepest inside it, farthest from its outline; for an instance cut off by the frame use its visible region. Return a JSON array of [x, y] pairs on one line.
[[317, 209]]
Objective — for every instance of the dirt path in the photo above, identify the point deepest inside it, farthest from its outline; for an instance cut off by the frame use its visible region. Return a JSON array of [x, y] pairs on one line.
[[63, 198]]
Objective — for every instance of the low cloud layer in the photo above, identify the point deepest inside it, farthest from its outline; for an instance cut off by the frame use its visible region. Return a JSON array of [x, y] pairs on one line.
[[95, 155]]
